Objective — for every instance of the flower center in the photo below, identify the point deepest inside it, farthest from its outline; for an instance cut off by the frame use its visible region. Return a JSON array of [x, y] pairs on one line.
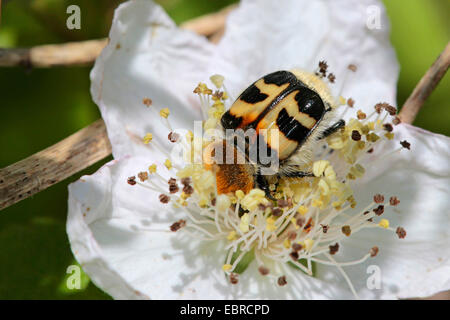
[[306, 219]]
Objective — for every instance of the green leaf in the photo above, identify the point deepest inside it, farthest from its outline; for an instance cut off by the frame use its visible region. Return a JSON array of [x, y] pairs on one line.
[[248, 257], [304, 262]]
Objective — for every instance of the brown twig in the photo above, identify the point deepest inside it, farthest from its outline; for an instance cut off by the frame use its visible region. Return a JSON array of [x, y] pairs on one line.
[[85, 52], [425, 87], [89, 145], [67, 54], [45, 168]]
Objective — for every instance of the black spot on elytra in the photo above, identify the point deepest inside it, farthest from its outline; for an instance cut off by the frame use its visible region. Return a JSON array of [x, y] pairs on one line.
[[229, 121], [309, 102], [291, 128], [253, 95], [280, 77]]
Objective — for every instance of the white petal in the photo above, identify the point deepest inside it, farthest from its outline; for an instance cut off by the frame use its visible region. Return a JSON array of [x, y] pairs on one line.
[[120, 235], [265, 36], [147, 57], [419, 265]]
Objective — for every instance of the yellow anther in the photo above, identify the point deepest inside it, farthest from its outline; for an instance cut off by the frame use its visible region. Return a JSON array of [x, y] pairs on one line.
[[223, 202], [224, 95], [384, 223], [294, 222], [361, 145], [302, 210], [287, 243], [244, 224], [240, 194], [184, 196], [372, 137], [202, 89], [336, 142], [253, 199], [329, 173], [317, 203], [323, 187], [168, 164], [319, 167], [152, 168], [389, 135], [189, 136], [147, 138], [231, 236], [357, 171], [203, 203], [308, 244], [337, 205], [211, 123], [270, 224], [164, 113], [217, 80], [342, 100], [227, 267]]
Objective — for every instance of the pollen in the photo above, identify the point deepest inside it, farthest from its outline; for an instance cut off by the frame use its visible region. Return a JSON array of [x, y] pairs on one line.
[[244, 224], [319, 167], [270, 224], [152, 168], [302, 210], [189, 136], [287, 243], [223, 202], [147, 138], [317, 203], [253, 199], [240, 194], [384, 223], [357, 171], [168, 164], [217, 80], [308, 244], [294, 223], [202, 88], [164, 113], [232, 235], [227, 267]]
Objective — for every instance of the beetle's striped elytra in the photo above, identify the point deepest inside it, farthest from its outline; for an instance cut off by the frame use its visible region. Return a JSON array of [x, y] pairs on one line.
[[297, 105]]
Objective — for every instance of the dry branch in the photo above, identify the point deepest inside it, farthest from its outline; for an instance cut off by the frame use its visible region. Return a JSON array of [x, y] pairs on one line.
[[89, 145], [425, 87], [67, 54], [45, 168], [85, 52]]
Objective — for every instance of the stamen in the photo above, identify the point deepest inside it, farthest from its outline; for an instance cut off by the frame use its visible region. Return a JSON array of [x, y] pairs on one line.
[[310, 217]]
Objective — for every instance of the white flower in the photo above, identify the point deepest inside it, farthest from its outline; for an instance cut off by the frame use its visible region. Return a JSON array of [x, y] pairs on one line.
[[120, 232]]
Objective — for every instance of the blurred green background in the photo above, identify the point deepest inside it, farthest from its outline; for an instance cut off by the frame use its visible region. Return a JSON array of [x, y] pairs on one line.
[[39, 107]]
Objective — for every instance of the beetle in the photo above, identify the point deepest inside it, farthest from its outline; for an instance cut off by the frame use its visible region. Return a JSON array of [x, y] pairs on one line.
[[298, 106]]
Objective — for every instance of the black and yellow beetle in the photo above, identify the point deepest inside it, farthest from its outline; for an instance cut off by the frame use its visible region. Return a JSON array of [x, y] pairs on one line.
[[299, 106]]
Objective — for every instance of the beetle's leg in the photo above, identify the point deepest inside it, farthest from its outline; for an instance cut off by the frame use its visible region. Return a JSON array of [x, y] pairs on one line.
[[335, 127], [264, 185], [296, 174]]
